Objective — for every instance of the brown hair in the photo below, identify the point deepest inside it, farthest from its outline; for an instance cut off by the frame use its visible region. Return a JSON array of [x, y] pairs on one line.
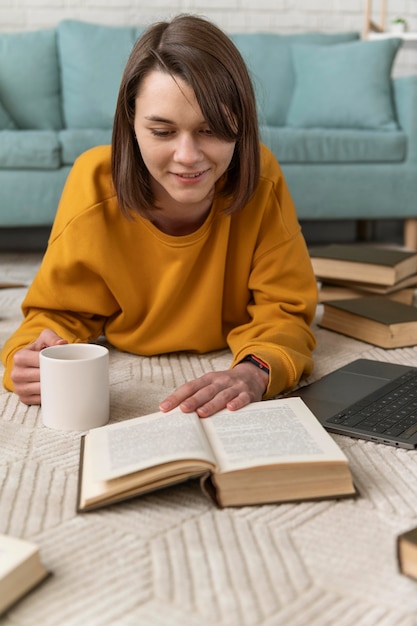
[[199, 53]]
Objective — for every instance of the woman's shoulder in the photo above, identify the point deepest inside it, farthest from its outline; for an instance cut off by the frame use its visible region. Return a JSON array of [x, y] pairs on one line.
[[93, 160], [89, 189], [90, 180]]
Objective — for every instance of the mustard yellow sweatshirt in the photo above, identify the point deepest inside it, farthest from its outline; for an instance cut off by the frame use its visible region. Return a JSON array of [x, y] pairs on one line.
[[243, 280]]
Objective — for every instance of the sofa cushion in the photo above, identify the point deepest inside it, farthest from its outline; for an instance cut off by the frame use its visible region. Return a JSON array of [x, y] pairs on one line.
[[348, 88], [300, 145], [29, 65], [30, 198], [268, 57], [6, 121], [30, 149], [92, 61], [75, 141]]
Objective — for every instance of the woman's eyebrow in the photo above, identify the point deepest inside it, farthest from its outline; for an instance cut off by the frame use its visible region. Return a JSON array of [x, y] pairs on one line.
[[156, 118], [164, 120]]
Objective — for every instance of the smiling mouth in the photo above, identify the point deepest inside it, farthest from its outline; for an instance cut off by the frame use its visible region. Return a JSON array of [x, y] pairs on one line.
[[191, 176]]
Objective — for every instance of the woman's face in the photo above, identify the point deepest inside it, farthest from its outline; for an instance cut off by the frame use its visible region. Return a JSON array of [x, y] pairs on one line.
[[183, 156]]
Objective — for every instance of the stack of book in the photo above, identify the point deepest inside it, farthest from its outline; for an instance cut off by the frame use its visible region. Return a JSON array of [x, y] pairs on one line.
[[368, 292]]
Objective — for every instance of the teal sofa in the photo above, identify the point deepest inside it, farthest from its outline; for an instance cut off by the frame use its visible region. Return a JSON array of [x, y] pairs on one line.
[[344, 133]]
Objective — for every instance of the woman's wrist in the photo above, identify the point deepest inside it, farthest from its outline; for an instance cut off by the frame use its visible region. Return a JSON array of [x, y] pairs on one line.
[[255, 360], [261, 370]]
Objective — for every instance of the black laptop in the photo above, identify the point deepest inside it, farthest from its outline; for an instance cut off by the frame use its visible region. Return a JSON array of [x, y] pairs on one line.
[[369, 400]]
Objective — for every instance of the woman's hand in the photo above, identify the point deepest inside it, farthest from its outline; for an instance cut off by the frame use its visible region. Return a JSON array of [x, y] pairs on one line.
[[231, 389], [25, 373]]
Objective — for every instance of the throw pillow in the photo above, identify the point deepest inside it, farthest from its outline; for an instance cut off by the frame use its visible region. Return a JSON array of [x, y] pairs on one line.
[[268, 57], [6, 122], [93, 57], [29, 79], [346, 86]]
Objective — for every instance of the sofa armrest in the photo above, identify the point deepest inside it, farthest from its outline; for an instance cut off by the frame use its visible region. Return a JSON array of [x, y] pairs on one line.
[[405, 98]]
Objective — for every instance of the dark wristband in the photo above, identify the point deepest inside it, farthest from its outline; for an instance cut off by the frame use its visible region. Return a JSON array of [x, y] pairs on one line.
[[256, 361]]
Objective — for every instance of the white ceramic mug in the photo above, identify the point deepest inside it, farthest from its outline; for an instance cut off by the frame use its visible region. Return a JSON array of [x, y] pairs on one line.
[[75, 386]]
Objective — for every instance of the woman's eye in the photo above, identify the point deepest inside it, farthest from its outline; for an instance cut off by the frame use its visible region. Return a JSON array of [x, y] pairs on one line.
[[160, 133]]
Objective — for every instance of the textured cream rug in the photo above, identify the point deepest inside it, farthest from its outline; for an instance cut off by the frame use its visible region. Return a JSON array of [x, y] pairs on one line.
[[171, 558]]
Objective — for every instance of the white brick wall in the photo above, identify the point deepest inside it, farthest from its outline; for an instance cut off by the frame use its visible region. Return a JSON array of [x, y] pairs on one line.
[[282, 16]]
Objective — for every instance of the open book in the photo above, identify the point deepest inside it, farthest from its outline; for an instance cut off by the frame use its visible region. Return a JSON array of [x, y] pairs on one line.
[[268, 451]]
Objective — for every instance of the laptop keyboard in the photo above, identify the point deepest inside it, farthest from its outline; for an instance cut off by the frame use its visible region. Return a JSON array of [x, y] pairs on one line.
[[391, 410]]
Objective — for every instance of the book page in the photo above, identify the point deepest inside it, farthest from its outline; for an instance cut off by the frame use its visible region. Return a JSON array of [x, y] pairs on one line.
[[269, 432], [143, 442]]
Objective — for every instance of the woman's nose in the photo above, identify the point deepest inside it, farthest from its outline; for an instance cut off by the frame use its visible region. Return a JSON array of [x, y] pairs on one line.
[[187, 149]]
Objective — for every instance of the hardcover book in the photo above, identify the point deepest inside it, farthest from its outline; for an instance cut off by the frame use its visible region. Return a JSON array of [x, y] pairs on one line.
[[269, 451], [328, 291], [21, 569], [377, 320], [407, 553], [410, 282], [9, 285], [380, 265]]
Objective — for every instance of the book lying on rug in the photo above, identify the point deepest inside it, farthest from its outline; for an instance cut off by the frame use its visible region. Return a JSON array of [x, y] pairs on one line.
[[329, 291], [407, 553], [377, 320], [9, 285], [21, 569], [363, 263], [269, 451]]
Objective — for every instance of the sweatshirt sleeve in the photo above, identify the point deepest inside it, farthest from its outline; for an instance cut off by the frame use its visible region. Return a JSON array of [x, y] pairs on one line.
[[283, 294], [68, 294], [60, 298]]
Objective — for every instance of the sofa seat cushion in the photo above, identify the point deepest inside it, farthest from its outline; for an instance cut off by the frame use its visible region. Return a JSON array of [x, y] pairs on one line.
[[30, 87], [75, 141], [31, 149], [299, 145], [269, 60], [31, 197], [93, 57]]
